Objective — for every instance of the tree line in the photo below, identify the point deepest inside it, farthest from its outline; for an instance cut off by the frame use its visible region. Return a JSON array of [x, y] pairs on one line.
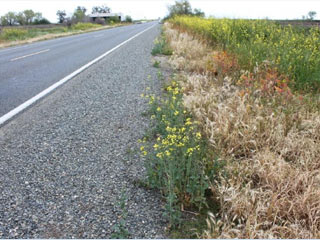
[[183, 7], [79, 15], [26, 17], [310, 16], [29, 17]]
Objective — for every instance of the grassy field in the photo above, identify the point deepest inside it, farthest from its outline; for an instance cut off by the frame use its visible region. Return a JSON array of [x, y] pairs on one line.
[[20, 35], [253, 128], [14, 34]]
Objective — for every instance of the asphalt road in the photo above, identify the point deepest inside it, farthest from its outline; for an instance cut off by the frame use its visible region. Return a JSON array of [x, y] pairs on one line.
[[27, 70], [66, 162]]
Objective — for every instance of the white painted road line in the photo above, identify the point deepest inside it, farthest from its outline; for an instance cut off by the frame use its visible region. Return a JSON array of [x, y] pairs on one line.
[[29, 55], [100, 35], [45, 92]]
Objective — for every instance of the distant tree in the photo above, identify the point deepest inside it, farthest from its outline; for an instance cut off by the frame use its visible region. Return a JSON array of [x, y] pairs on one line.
[[101, 9], [128, 18], [41, 21], [79, 14], [3, 21], [21, 19], [29, 16], [181, 7], [9, 19], [198, 12], [311, 15], [37, 17], [61, 16]]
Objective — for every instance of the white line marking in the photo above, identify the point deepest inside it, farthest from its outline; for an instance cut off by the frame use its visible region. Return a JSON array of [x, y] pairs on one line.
[[29, 55], [45, 92], [100, 35]]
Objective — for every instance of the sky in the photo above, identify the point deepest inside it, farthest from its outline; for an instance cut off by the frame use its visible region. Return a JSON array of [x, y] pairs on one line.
[[153, 9]]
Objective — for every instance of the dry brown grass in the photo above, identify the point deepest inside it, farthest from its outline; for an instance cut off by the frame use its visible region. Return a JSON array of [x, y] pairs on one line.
[[271, 144], [189, 54]]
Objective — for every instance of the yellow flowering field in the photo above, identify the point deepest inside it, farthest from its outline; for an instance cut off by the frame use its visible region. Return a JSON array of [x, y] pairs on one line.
[[290, 50]]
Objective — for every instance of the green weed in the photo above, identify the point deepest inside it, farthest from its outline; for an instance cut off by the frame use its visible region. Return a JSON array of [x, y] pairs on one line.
[[161, 46], [84, 26], [120, 230], [177, 155], [156, 64], [13, 34]]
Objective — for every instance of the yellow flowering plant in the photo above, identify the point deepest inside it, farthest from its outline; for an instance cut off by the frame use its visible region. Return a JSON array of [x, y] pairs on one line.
[[177, 157]]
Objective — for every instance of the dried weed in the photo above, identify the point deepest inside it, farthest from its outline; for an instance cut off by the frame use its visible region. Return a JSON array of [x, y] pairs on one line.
[[271, 142]]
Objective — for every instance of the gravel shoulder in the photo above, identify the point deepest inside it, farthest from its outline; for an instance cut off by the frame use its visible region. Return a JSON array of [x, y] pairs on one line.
[[65, 162]]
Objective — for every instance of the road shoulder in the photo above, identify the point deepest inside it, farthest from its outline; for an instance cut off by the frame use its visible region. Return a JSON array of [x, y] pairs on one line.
[[67, 161]]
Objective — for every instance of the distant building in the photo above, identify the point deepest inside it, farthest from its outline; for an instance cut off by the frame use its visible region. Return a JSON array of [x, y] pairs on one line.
[[94, 16]]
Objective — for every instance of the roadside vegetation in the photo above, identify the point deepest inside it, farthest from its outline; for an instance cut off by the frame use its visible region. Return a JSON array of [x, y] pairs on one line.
[[293, 52], [237, 129], [28, 26], [13, 36], [176, 156], [161, 46]]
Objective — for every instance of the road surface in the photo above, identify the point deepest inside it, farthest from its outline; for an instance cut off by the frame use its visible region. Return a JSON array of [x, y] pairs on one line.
[[27, 70], [66, 161]]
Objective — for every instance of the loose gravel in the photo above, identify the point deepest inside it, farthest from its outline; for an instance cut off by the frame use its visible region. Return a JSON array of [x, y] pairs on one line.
[[65, 162]]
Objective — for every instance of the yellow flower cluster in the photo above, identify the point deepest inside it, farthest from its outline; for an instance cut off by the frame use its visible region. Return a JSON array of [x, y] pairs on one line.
[[177, 141], [175, 161], [179, 137], [144, 152], [173, 89]]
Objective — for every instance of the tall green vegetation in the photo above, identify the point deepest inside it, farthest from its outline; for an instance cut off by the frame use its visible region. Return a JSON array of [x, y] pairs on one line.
[[14, 34], [176, 154], [84, 26], [292, 51]]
